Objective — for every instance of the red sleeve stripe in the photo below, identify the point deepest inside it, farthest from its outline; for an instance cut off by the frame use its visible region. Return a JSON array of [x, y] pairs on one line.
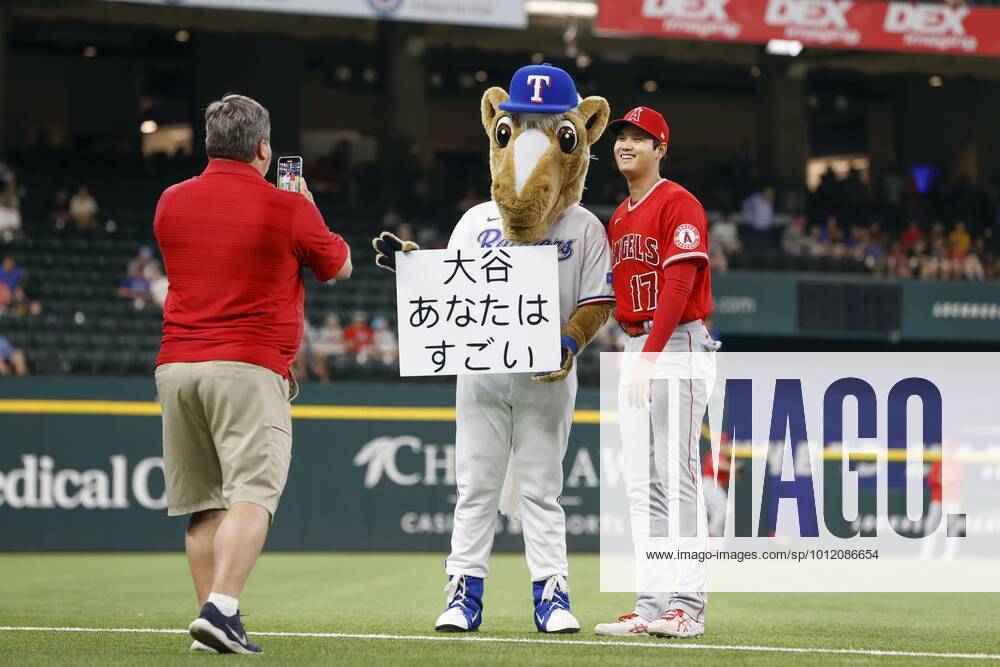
[[686, 255]]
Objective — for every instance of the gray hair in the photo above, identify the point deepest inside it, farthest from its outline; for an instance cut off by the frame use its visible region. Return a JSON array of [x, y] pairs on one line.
[[234, 126]]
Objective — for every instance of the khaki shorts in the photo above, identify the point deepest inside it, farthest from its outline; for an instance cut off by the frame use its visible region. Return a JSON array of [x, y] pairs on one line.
[[227, 434]]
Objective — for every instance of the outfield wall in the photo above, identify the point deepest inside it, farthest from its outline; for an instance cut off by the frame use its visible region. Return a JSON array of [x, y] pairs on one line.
[[372, 469], [843, 306]]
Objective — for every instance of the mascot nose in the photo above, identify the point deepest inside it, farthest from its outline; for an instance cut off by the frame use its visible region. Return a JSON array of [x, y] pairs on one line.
[[529, 147]]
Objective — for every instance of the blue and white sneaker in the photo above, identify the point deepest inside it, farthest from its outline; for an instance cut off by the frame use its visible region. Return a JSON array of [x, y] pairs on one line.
[[223, 633], [552, 613], [465, 605]]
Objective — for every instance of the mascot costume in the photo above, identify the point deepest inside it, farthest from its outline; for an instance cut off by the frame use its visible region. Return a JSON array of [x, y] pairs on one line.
[[512, 429]]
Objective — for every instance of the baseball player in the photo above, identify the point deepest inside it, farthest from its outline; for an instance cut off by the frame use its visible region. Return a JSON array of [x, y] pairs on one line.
[[663, 292], [945, 500], [716, 487], [521, 417]]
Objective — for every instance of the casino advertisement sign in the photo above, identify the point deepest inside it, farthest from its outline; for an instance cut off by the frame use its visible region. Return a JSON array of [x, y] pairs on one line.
[[81, 469], [83, 474]]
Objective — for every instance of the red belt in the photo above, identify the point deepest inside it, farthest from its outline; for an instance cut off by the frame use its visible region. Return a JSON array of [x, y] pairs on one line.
[[636, 329]]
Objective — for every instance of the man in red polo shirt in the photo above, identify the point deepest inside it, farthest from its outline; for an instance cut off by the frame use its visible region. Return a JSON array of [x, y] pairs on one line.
[[663, 292], [234, 247]]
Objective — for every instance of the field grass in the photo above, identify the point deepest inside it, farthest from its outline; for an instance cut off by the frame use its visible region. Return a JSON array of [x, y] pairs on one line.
[[399, 594]]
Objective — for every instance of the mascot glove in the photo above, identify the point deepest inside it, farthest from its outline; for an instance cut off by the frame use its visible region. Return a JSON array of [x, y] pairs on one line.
[[570, 348], [386, 244]]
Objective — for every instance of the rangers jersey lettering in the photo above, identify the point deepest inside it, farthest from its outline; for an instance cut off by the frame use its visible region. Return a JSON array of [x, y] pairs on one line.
[[581, 244]]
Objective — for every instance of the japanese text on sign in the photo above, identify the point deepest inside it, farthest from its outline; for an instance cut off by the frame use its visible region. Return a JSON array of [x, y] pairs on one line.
[[478, 310]]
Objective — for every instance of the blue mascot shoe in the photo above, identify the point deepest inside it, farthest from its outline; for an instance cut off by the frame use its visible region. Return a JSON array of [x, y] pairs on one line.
[[465, 605], [552, 612]]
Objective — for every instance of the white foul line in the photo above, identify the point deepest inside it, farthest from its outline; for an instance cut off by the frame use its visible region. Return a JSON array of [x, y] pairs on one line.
[[563, 642]]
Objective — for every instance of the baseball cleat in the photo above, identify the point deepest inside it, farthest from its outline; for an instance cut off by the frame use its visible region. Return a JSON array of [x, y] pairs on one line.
[[629, 625], [223, 633], [675, 623], [198, 647], [552, 609], [465, 605]]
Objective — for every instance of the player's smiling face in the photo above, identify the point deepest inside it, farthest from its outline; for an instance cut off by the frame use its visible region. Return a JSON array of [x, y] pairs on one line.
[[634, 152]]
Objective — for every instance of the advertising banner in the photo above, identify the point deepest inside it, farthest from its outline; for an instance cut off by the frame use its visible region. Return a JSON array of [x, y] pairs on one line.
[[373, 468], [951, 311], [493, 13], [845, 24]]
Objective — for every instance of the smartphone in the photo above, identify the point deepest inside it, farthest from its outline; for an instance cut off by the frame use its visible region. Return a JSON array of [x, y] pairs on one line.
[[289, 173]]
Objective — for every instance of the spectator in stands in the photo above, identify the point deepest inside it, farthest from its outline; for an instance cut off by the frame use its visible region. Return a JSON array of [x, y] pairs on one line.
[[972, 267], [725, 235], [144, 264], [758, 209], [827, 187], [300, 367], [23, 307], [911, 235], [892, 188], [794, 240], [358, 335], [959, 239], [897, 263], [59, 214], [11, 277], [10, 212], [12, 358], [329, 342], [384, 340], [7, 175], [136, 288], [833, 239], [871, 246], [83, 208], [158, 284], [854, 190], [816, 246]]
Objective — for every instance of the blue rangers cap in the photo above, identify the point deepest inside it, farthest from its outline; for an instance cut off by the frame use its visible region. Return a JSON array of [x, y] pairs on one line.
[[541, 89]]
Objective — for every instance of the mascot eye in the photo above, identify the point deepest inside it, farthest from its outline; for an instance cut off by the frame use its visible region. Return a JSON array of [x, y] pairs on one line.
[[504, 131], [566, 134]]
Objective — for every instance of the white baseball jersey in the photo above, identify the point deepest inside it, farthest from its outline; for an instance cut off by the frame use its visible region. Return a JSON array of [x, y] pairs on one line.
[[581, 245]]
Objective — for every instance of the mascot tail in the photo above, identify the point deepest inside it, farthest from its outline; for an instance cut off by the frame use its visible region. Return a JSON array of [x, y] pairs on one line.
[[510, 496]]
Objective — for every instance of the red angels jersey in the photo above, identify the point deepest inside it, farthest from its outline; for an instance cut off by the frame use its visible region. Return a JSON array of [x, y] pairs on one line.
[[667, 225]]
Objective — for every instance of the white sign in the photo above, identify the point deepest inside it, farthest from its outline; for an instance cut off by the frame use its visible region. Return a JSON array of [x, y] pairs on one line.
[[478, 310], [493, 13]]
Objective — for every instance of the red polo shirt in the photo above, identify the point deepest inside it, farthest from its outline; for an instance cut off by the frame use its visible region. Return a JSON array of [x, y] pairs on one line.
[[234, 247]]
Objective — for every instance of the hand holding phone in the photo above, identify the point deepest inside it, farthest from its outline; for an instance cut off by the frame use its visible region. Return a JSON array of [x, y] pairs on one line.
[[290, 173]]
